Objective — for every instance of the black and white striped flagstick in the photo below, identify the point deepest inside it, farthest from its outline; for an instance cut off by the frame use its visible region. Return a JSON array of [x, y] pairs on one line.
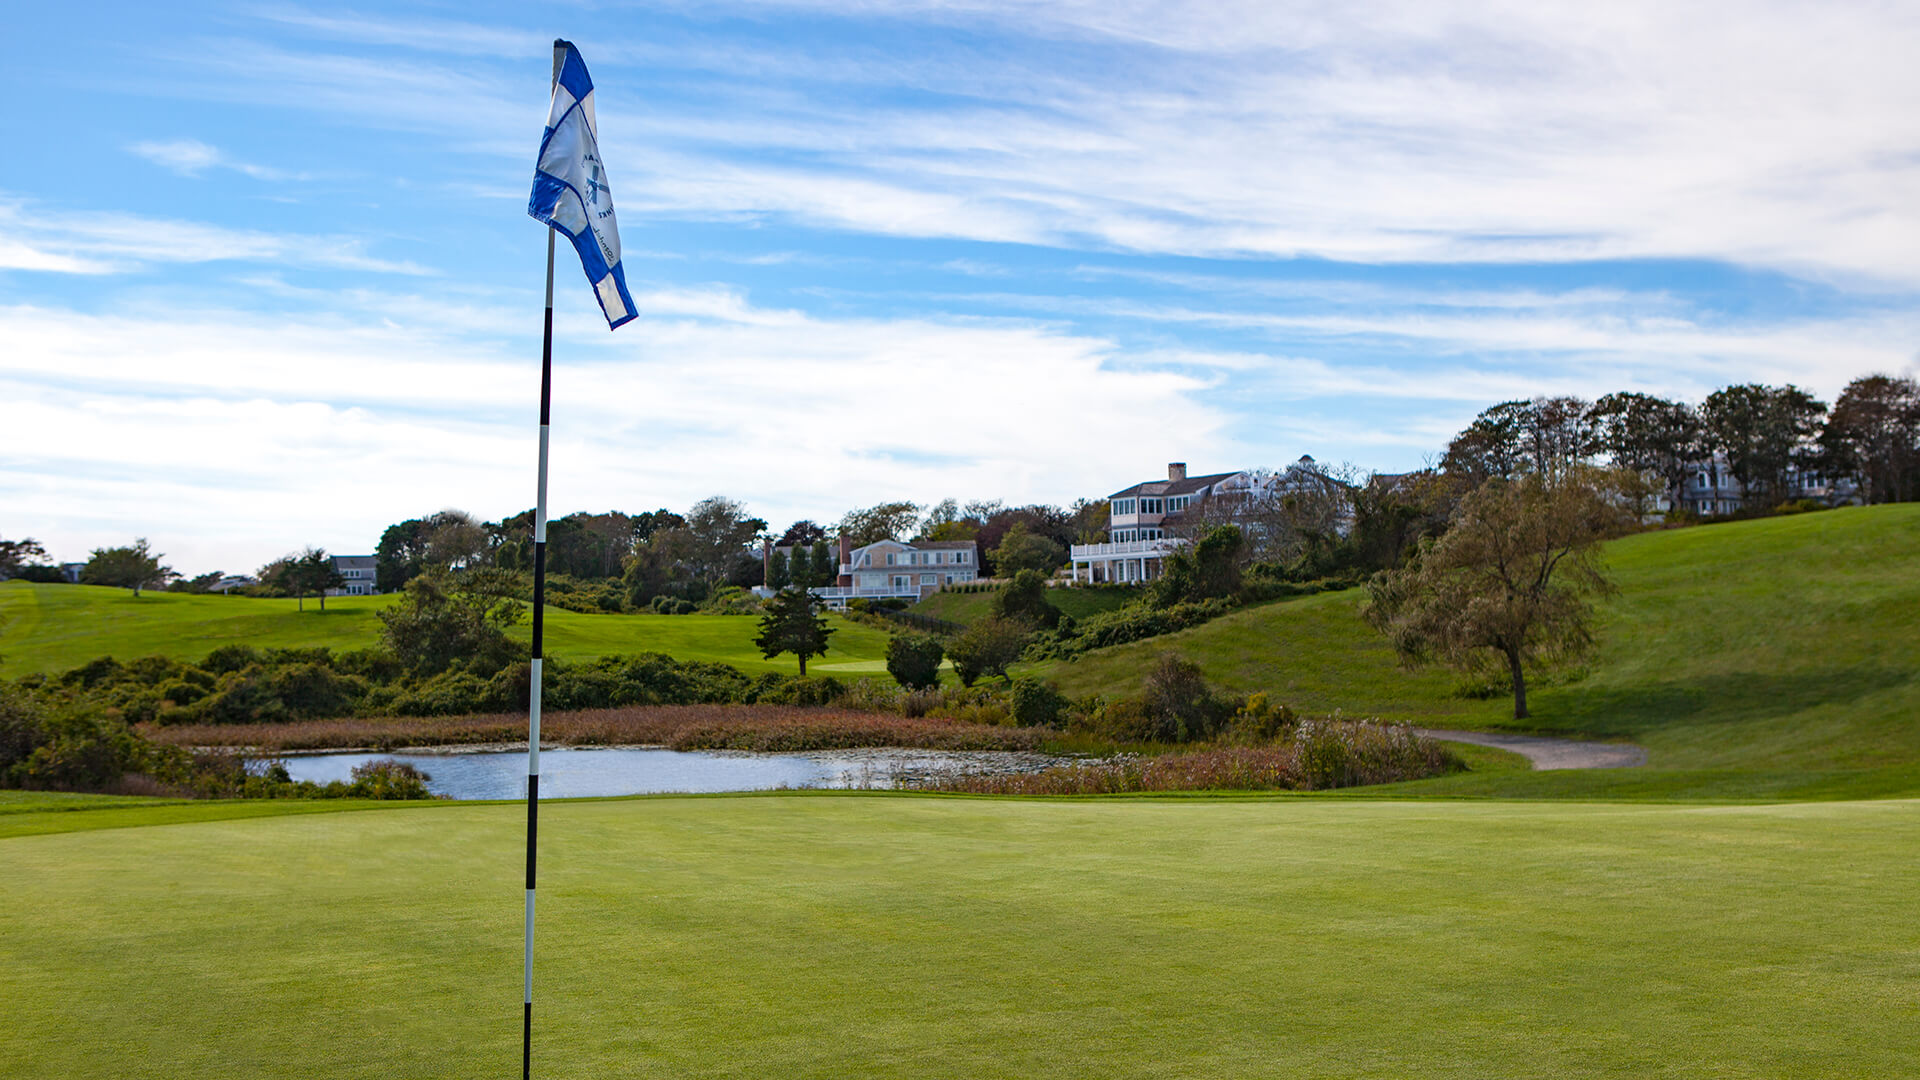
[[539, 621]]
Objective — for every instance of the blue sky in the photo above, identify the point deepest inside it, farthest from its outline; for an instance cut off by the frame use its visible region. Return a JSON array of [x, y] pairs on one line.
[[266, 277]]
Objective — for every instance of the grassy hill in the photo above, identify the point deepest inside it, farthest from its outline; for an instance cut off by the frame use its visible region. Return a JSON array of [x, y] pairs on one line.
[[1784, 645], [54, 627], [853, 936], [965, 607]]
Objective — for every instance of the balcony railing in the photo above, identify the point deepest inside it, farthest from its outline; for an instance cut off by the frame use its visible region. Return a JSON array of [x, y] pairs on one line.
[[1160, 548]]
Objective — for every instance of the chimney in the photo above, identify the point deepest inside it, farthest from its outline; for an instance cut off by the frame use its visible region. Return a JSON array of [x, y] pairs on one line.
[[845, 544], [1176, 470]]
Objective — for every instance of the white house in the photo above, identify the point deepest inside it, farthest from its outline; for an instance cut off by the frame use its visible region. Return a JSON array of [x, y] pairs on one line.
[[357, 572], [901, 569], [1141, 520]]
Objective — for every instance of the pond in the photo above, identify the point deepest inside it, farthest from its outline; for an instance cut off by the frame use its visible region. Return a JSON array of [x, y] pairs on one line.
[[576, 773]]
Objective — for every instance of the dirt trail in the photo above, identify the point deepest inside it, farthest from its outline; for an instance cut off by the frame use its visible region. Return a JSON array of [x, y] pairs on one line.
[[1551, 753]]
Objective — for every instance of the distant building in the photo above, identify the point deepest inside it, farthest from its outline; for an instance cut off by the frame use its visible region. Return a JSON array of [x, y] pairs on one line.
[[233, 581], [890, 569], [1144, 520], [357, 572], [71, 571], [1711, 489]]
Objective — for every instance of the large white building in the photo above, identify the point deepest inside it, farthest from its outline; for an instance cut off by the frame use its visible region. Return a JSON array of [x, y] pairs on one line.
[[1140, 519], [357, 573]]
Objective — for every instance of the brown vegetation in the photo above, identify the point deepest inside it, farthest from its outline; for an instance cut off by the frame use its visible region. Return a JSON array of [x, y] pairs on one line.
[[678, 727]]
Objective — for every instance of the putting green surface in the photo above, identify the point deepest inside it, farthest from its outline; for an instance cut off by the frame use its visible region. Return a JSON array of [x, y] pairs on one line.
[[836, 936]]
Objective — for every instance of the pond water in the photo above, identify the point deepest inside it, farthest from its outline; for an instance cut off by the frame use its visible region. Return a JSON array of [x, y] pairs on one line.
[[576, 773]]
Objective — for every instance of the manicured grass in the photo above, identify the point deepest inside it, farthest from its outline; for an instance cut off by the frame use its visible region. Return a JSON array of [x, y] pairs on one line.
[[849, 936], [55, 627], [1764, 649], [965, 607]]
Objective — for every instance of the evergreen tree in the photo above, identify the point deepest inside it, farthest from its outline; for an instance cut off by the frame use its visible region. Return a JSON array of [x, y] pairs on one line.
[[777, 575], [826, 569], [794, 625]]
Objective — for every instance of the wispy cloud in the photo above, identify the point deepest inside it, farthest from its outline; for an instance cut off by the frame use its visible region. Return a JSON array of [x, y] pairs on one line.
[[191, 157], [35, 237]]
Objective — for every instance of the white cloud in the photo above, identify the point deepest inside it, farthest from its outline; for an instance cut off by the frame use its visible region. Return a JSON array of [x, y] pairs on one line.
[[191, 157], [34, 237]]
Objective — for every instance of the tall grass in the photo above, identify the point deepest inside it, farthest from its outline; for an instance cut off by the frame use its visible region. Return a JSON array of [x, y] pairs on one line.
[[1323, 754], [678, 727]]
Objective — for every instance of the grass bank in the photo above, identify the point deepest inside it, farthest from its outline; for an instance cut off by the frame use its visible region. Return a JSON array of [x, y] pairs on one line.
[[1763, 648], [885, 936], [56, 627]]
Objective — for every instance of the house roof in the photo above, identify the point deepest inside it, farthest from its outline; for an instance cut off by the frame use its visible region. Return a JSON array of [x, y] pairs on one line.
[[924, 545], [357, 562], [1172, 487]]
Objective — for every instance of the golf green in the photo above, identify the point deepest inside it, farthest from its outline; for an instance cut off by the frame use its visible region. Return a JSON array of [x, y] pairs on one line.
[[886, 936]]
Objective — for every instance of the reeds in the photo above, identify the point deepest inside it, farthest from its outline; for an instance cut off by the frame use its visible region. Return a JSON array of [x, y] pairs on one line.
[[678, 727]]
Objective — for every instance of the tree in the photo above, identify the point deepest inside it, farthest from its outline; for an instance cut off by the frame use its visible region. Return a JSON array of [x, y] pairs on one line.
[[16, 555], [825, 562], [887, 521], [1512, 577], [1546, 434], [1204, 570], [134, 567], [801, 534], [1652, 436], [914, 660], [718, 532], [988, 647], [443, 619], [1874, 436], [1025, 598], [1766, 432], [793, 624], [778, 576], [310, 572], [942, 521], [203, 583], [1021, 549]]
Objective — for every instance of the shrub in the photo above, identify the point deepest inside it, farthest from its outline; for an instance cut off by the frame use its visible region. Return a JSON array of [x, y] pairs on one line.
[[1177, 699], [987, 647], [914, 660], [669, 605], [1135, 622], [1025, 598], [1035, 704], [1258, 721], [388, 779]]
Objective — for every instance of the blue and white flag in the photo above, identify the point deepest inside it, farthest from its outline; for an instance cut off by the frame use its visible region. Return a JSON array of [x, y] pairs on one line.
[[570, 190]]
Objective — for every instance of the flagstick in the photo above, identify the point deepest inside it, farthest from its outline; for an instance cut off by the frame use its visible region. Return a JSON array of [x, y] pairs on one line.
[[533, 693]]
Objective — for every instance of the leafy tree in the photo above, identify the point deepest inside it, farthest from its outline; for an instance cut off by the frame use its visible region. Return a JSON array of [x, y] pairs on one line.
[[793, 624], [1546, 434], [1874, 436], [1021, 549], [306, 573], [16, 555], [801, 534], [1203, 570], [943, 518], [134, 567], [1392, 514], [443, 619], [914, 660], [988, 647], [887, 521], [1652, 436], [1178, 702], [1025, 598], [1765, 431], [716, 536], [1512, 577], [778, 576], [203, 583]]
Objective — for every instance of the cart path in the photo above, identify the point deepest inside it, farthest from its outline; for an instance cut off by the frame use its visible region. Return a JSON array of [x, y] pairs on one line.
[[1550, 753]]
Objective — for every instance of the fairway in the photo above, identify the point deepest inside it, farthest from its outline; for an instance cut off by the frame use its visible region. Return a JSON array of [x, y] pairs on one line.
[[56, 627], [876, 936]]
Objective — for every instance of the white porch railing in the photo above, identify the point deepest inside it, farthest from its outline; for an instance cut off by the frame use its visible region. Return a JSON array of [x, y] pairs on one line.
[[1160, 548]]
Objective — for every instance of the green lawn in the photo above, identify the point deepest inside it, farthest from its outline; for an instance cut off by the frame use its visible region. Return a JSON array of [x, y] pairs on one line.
[[876, 936], [1782, 647], [965, 607], [54, 627]]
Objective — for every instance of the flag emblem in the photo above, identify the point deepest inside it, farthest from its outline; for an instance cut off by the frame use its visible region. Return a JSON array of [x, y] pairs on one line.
[[570, 190]]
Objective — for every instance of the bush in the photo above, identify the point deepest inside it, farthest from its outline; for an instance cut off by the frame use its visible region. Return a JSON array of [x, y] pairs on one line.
[[987, 647], [1135, 622], [1025, 598], [388, 779], [668, 605], [1035, 704], [1180, 704], [914, 660], [1259, 721]]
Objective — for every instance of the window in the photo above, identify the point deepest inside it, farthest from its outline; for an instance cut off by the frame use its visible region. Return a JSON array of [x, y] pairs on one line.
[[1122, 507], [929, 579], [959, 556], [1150, 506], [889, 558], [1178, 503], [902, 581]]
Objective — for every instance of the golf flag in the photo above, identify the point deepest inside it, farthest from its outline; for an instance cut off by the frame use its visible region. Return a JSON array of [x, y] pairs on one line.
[[570, 190]]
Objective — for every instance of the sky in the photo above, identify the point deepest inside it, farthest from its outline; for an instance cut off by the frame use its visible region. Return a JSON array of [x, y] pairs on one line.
[[267, 278]]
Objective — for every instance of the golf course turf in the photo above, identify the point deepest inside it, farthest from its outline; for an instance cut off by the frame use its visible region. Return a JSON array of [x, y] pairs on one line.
[[887, 936]]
